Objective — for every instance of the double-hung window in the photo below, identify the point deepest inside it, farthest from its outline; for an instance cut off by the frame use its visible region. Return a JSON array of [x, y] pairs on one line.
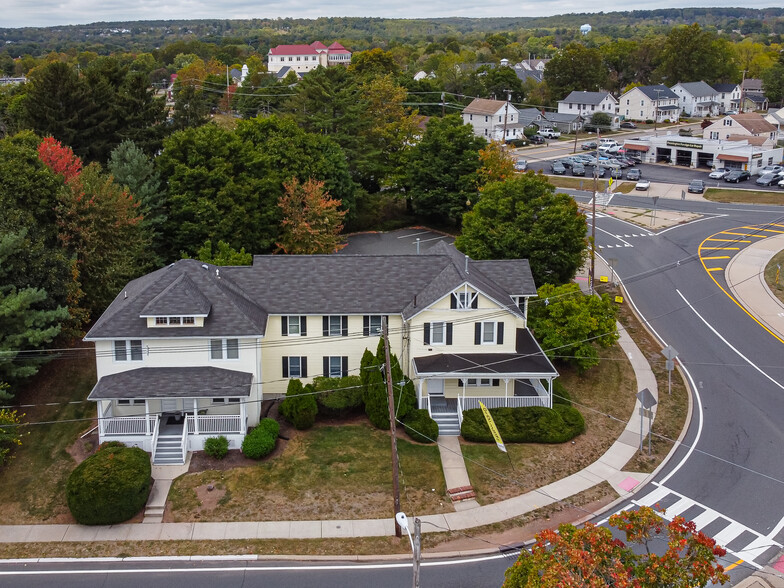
[[224, 349], [336, 366], [294, 326], [438, 333], [371, 325], [335, 325], [489, 333], [128, 350], [295, 367]]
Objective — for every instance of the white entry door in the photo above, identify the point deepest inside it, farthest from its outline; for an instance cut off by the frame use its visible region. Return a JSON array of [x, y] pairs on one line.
[[435, 387]]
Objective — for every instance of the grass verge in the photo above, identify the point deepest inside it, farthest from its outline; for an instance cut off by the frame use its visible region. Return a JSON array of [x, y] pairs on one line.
[[744, 196], [33, 484], [771, 271], [328, 472], [587, 184]]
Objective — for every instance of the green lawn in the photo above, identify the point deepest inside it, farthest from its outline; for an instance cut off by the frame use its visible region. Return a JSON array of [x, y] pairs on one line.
[[744, 196], [328, 472], [776, 286]]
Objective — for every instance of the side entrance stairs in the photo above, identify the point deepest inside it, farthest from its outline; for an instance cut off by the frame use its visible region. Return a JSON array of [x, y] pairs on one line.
[[445, 416]]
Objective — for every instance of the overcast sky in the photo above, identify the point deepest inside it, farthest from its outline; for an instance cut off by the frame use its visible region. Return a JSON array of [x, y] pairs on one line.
[[24, 13]]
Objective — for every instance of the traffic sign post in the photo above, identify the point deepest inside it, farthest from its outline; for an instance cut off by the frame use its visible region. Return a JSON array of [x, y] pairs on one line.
[[647, 402], [653, 217], [670, 353]]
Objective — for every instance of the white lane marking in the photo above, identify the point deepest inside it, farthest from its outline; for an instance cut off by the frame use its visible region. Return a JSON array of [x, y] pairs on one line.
[[413, 234], [749, 210], [613, 236], [715, 332], [776, 529], [433, 239], [697, 220], [289, 568]]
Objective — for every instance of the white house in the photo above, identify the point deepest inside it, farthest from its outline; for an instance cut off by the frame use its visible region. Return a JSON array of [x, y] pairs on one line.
[[741, 127], [586, 104], [697, 99], [495, 120], [305, 58], [191, 350], [776, 118], [657, 103], [728, 96]]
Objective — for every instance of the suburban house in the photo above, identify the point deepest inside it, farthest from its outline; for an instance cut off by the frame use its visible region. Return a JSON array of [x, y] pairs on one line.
[[566, 123], [697, 99], [754, 103], [529, 117], [776, 118], [191, 350], [751, 127], [495, 120], [585, 104], [657, 103], [305, 58], [728, 96]]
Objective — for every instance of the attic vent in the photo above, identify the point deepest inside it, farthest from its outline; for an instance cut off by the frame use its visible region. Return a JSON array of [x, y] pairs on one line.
[[204, 265]]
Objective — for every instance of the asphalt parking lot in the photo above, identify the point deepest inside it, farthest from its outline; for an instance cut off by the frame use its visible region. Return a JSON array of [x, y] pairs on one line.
[[400, 242]]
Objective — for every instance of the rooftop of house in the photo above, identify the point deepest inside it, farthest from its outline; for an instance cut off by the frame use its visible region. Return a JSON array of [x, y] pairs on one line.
[[752, 85], [656, 92], [696, 88], [753, 123], [756, 141], [293, 50], [584, 97], [726, 88], [561, 117], [485, 106], [239, 299]]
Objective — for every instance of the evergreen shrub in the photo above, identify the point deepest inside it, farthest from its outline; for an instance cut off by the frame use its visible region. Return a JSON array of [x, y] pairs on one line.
[[531, 424], [299, 407], [260, 441], [338, 397], [420, 427], [216, 447]]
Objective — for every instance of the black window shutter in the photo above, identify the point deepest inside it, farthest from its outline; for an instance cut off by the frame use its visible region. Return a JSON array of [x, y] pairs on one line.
[[325, 324], [500, 338], [303, 325], [284, 325], [427, 333], [285, 367], [496, 382], [477, 333], [460, 382], [365, 326], [452, 300], [344, 325], [475, 300], [449, 333], [304, 363], [344, 366], [326, 366]]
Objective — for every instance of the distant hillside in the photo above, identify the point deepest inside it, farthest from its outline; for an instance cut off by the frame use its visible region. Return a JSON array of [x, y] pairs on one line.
[[261, 33]]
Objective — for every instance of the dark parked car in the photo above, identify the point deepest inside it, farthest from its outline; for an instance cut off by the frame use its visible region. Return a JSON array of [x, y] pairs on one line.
[[697, 187], [558, 168], [578, 169], [589, 146], [616, 173], [768, 179], [537, 139], [628, 125], [633, 174], [736, 176]]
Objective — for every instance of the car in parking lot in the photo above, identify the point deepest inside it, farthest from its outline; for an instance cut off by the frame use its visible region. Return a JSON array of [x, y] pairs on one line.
[[521, 165], [768, 179], [737, 175], [633, 174], [776, 169], [578, 169], [616, 173], [558, 168], [718, 174], [589, 146], [537, 139], [642, 185], [550, 133], [697, 187], [628, 125]]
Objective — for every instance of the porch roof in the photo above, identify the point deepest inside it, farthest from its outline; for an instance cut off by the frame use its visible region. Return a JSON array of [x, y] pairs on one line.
[[172, 382], [528, 361]]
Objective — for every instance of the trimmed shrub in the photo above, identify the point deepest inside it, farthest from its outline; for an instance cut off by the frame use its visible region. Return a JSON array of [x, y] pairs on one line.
[[271, 426], [338, 397], [560, 395], [533, 424], [420, 427], [260, 441], [299, 407], [109, 487], [216, 447]]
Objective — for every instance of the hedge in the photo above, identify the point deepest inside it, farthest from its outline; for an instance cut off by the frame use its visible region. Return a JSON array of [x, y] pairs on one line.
[[299, 406], [533, 424], [109, 487], [261, 440], [420, 427], [560, 395], [216, 447], [338, 397]]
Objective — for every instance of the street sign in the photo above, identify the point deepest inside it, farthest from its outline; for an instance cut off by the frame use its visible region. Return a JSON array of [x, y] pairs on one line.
[[619, 299], [647, 400], [669, 365], [604, 279], [670, 352], [654, 198]]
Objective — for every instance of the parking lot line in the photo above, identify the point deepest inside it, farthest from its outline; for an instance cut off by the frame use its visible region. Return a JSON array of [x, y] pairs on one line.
[[719, 248], [718, 257]]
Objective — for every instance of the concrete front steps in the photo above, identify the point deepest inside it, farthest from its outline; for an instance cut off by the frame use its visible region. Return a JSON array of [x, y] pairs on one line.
[[168, 450], [448, 424]]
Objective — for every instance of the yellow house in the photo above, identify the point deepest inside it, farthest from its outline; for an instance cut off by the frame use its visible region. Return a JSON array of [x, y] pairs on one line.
[[191, 350]]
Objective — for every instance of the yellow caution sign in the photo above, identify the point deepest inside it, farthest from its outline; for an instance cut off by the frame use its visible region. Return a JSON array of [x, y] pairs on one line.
[[609, 186], [619, 299], [604, 279], [493, 428]]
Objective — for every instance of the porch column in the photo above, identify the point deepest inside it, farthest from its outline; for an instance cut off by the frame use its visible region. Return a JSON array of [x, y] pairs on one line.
[[146, 416], [550, 392], [101, 424], [243, 415], [195, 417], [419, 393], [506, 391]]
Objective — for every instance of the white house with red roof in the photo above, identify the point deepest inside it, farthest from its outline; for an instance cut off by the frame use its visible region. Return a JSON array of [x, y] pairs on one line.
[[304, 58]]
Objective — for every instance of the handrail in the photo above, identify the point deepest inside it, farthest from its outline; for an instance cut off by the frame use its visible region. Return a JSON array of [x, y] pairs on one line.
[[459, 412], [184, 440], [155, 431]]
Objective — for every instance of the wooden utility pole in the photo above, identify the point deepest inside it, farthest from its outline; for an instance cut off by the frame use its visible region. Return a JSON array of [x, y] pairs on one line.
[[593, 215], [391, 402], [417, 547]]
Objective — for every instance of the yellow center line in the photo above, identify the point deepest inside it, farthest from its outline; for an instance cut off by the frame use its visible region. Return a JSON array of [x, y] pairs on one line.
[[776, 225], [718, 257], [720, 248], [767, 230], [733, 566], [714, 269], [729, 240], [744, 234]]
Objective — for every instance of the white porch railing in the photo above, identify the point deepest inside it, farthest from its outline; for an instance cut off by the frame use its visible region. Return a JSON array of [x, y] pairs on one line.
[[155, 432], [460, 412], [138, 425], [500, 401], [210, 424]]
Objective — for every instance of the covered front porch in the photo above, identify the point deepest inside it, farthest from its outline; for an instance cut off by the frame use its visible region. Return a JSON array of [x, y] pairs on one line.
[[171, 411], [448, 384]]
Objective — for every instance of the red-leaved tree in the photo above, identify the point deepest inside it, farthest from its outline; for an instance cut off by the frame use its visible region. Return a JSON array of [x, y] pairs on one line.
[[591, 557], [59, 158], [312, 220]]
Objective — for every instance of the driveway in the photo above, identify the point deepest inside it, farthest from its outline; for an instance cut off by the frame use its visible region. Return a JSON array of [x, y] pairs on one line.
[[400, 242]]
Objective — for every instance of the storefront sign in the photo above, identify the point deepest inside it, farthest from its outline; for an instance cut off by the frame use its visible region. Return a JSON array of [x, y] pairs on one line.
[[756, 155], [684, 144]]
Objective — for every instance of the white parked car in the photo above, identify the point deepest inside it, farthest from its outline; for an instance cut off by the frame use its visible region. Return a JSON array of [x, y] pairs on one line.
[[642, 185], [718, 174], [521, 165], [772, 169], [550, 133]]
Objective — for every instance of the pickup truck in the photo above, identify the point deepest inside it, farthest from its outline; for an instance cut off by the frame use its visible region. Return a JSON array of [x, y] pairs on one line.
[[550, 133]]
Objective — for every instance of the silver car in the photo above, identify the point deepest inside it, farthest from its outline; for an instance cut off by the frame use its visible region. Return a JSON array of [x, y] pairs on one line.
[[718, 174]]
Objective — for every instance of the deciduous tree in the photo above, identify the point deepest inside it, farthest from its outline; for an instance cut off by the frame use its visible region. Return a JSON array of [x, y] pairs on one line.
[[312, 220], [223, 254], [575, 67], [523, 218], [10, 431], [495, 164], [710, 58]]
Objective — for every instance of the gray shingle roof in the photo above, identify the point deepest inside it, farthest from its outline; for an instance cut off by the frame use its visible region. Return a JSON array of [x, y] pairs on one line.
[[726, 88], [697, 88], [664, 92], [562, 117], [173, 382], [180, 298], [584, 97]]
